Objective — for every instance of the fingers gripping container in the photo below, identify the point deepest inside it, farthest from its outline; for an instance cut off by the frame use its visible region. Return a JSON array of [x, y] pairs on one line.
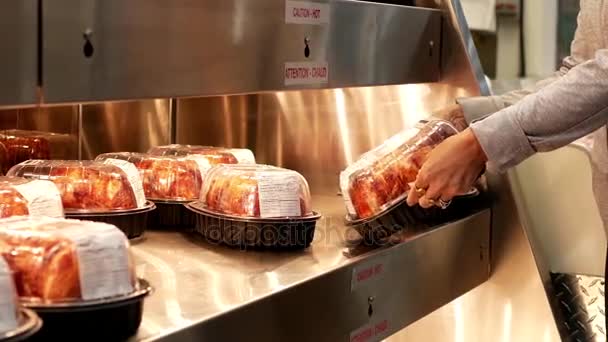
[[170, 182], [255, 206], [109, 191], [76, 275], [215, 155], [21, 197], [16, 323], [375, 187]]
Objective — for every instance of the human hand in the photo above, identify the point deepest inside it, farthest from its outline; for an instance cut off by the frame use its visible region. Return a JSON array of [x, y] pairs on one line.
[[451, 169]]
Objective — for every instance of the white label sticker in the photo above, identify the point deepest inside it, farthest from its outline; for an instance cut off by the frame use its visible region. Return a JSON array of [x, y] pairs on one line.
[[297, 73], [243, 155], [201, 161], [133, 177], [8, 310], [306, 12], [102, 261], [371, 332], [43, 198], [279, 194]]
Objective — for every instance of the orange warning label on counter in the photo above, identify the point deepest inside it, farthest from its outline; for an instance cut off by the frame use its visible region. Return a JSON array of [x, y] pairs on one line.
[[306, 12], [372, 332], [306, 73]]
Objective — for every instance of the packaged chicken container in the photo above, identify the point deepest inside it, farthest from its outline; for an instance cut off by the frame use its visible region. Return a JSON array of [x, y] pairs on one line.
[[376, 185], [99, 191], [3, 159], [255, 206], [20, 148], [215, 155], [9, 313], [75, 274], [21, 196], [169, 181], [16, 323]]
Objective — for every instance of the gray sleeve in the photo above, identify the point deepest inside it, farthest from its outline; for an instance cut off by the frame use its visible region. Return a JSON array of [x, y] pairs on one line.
[[477, 108], [570, 107]]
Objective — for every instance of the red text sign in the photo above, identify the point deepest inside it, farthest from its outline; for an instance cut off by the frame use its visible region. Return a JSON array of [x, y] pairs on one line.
[[367, 272], [306, 12], [371, 332], [306, 73]]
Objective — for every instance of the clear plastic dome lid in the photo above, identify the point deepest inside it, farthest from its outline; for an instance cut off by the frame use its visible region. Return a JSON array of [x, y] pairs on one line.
[[20, 148], [9, 314], [21, 196], [215, 155], [166, 178], [3, 159], [58, 259], [88, 186], [256, 191], [382, 176]]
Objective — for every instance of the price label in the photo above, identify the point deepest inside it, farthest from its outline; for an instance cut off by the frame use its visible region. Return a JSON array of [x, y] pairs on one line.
[[306, 12], [371, 332], [298, 73]]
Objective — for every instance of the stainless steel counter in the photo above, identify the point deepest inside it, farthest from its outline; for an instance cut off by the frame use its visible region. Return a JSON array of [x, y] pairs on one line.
[[214, 292]]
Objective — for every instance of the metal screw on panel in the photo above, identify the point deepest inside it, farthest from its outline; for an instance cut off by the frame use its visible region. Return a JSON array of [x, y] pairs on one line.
[[431, 48], [87, 49], [306, 48], [370, 299]]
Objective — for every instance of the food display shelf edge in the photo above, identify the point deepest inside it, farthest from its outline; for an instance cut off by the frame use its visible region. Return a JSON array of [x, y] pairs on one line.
[[338, 285]]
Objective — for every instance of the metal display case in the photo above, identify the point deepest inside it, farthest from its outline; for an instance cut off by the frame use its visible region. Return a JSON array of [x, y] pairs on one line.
[[108, 49], [306, 85], [19, 58]]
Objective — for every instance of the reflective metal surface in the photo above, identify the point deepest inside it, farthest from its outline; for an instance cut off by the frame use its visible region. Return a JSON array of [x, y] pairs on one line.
[[581, 300], [203, 291], [19, 57], [193, 48], [510, 306], [123, 126]]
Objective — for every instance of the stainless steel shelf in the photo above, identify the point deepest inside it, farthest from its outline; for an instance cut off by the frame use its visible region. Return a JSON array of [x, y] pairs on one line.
[[212, 292], [150, 49]]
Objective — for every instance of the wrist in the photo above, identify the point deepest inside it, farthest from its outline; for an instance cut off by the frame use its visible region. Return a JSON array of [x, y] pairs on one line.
[[474, 146]]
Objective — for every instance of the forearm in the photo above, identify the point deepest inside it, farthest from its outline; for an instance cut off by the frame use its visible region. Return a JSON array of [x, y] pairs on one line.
[[571, 107]]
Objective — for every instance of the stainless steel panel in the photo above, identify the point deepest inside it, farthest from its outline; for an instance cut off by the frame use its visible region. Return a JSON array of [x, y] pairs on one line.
[[124, 126], [171, 48], [19, 57], [204, 291]]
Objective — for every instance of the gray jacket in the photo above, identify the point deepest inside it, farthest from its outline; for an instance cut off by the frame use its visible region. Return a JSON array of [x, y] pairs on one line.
[[556, 111]]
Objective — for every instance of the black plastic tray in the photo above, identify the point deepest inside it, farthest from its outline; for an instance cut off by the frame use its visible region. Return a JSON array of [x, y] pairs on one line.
[[132, 222], [111, 319], [172, 215], [255, 233], [377, 229], [29, 325]]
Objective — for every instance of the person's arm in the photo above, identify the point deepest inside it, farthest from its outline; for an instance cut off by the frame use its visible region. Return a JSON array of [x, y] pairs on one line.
[[470, 109], [569, 108]]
